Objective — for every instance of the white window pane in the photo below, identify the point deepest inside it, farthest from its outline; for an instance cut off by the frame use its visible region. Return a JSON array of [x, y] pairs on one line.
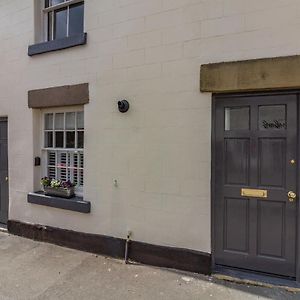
[[48, 121], [70, 139], [62, 166], [51, 158], [70, 169], [59, 121], [80, 120], [51, 172], [70, 120], [76, 19], [47, 3], [80, 139], [75, 160], [63, 174], [60, 23], [48, 139], [53, 2], [50, 25], [81, 160], [59, 139], [81, 177], [237, 118], [75, 178]]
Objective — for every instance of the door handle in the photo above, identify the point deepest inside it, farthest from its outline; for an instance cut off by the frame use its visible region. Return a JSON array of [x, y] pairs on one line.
[[292, 196]]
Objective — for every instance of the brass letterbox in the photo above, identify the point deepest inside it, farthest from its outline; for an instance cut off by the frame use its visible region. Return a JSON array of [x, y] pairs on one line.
[[254, 193]]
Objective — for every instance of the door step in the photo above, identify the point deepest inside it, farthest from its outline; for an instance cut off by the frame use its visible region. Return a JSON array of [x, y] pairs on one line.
[[256, 279]]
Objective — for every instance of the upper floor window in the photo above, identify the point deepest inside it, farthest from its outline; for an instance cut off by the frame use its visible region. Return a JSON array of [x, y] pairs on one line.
[[59, 24], [63, 18]]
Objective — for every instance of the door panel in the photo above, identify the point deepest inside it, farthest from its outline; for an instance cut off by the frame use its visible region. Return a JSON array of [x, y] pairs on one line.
[[255, 140], [271, 228], [271, 162], [237, 161], [236, 225]]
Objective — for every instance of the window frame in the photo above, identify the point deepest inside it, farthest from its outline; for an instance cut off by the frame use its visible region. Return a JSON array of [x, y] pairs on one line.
[[44, 150], [52, 9]]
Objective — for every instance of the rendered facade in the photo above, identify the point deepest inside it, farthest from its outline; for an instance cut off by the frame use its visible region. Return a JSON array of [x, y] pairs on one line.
[[149, 170]]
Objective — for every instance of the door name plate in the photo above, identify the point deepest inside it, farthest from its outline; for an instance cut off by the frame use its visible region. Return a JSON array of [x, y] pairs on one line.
[[254, 193]]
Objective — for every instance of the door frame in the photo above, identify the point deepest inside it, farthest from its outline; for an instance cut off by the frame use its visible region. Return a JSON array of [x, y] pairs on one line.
[[215, 98], [5, 119]]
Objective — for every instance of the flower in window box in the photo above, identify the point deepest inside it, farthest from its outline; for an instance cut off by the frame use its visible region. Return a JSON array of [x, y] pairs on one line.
[[45, 181], [59, 188], [55, 183]]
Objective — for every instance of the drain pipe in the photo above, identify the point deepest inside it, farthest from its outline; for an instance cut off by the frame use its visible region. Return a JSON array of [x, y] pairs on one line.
[[127, 246]]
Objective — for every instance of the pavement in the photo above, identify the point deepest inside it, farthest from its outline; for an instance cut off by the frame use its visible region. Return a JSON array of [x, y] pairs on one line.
[[34, 270]]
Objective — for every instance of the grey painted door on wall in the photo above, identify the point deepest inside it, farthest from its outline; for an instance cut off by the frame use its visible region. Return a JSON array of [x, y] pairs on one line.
[[3, 172], [255, 148]]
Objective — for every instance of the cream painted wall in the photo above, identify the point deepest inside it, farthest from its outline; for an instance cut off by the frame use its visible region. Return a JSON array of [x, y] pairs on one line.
[[149, 52]]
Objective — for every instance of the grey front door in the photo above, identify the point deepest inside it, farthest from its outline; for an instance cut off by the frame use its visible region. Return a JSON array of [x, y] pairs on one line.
[[255, 167], [3, 172]]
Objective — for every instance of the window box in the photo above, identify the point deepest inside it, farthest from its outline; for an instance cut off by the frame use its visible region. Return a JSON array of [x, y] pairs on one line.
[[59, 192]]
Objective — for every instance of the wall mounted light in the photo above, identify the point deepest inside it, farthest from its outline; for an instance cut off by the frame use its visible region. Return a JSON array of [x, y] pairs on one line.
[[123, 106]]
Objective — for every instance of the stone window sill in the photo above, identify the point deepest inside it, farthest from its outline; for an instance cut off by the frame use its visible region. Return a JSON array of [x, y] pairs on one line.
[[59, 44], [73, 204]]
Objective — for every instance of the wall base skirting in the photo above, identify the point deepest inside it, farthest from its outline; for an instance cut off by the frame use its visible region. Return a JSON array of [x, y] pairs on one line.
[[161, 256]]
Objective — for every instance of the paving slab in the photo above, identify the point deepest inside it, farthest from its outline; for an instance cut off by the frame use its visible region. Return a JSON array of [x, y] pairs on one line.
[[34, 270]]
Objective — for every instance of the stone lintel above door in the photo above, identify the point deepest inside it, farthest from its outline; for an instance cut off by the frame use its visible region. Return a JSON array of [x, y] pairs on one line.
[[251, 75], [67, 95]]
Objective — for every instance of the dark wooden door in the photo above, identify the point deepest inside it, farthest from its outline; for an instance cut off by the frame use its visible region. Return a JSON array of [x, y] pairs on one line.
[[3, 172], [255, 149]]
